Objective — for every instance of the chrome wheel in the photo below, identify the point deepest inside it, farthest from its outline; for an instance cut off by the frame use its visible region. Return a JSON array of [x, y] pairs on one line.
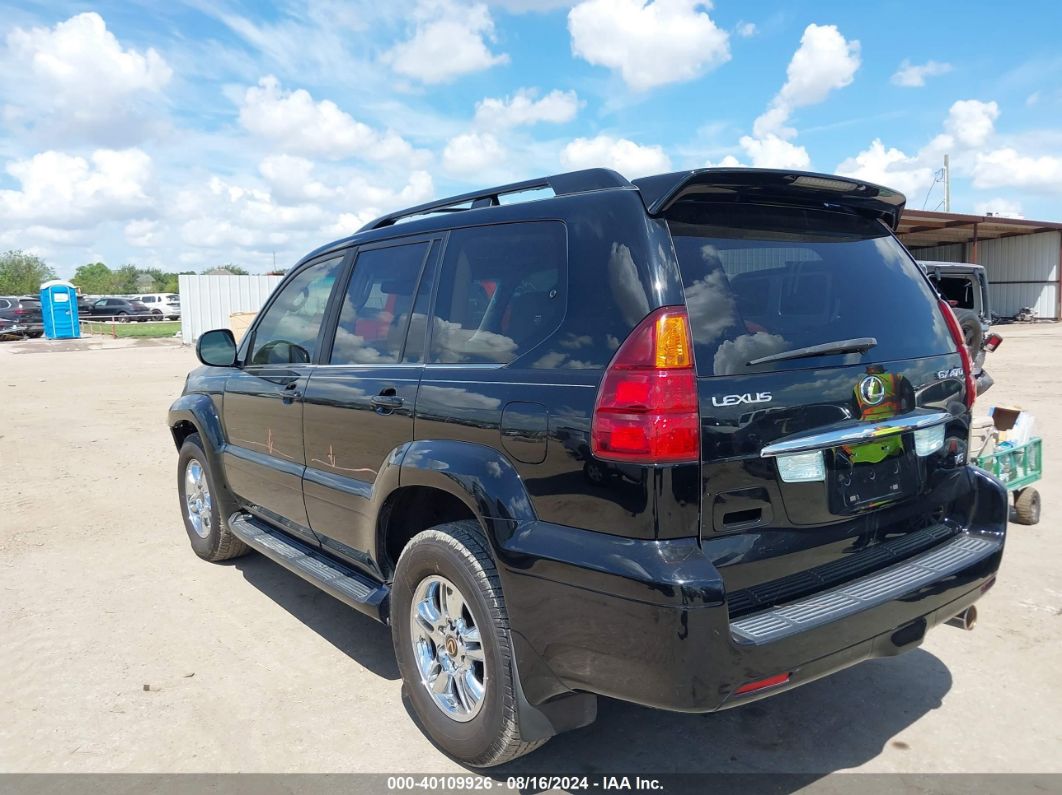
[[197, 498], [447, 648]]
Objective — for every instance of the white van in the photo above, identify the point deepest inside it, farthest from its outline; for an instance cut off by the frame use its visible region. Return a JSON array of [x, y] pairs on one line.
[[166, 304]]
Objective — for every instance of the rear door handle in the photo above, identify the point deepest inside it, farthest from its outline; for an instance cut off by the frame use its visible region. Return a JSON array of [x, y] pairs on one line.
[[386, 401]]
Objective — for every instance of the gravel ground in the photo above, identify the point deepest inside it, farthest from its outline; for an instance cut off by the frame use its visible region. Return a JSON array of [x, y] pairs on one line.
[[123, 652]]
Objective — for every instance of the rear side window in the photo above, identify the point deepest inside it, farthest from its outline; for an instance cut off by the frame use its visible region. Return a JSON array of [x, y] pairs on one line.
[[502, 291], [763, 280], [376, 308]]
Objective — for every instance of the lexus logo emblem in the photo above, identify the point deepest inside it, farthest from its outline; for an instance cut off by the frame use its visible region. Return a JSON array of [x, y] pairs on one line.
[[872, 390]]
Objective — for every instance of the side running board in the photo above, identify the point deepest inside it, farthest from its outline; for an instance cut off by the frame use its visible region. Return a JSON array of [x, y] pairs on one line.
[[345, 583]]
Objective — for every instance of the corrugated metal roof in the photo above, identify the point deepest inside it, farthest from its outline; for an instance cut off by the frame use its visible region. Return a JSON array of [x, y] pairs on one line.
[[921, 228]]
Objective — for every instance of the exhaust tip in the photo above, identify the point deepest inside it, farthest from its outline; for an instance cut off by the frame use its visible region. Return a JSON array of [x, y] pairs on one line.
[[964, 620]]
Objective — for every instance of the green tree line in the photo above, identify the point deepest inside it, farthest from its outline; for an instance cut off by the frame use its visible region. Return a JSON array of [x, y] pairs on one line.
[[23, 274]]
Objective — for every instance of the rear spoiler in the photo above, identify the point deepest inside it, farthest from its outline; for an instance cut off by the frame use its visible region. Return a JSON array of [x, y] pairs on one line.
[[661, 191]]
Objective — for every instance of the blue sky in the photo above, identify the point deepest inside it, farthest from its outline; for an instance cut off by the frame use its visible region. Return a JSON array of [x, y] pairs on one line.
[[193, 134]]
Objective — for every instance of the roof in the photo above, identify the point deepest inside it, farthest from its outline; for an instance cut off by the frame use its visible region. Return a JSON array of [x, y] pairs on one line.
[[923, 228], [662, 190]]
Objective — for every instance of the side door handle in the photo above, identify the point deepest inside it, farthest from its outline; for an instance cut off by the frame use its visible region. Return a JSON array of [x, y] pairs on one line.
[[291, 392], [387, 399]]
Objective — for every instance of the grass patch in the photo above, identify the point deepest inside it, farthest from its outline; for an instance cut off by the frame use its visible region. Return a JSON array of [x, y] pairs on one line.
[[152, 328]]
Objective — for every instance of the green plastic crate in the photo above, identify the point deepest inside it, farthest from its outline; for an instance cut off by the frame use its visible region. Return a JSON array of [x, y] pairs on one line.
[[1017, 466]]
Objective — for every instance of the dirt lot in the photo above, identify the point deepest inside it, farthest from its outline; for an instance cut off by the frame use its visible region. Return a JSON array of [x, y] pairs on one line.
[[121, 651]]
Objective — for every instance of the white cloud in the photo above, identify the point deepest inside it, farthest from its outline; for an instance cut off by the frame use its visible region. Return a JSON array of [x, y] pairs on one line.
[[59, 190], [911, 75], [824, 61], [524, 108], [746, 29], [971, 121], [626, 157], [969, 129], [1005, 207], [232, 217], [770, 151], [648, 43], [1006, 167], [450, 39], [141, 232], [469, 154], [889, 167], [295, 122], [75, 81]]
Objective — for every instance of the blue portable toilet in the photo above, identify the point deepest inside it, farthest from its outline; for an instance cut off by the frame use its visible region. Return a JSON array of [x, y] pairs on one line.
[[59, 308]]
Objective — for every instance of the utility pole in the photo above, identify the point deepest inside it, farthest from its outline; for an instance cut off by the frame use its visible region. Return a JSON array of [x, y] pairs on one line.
[[947, 185]]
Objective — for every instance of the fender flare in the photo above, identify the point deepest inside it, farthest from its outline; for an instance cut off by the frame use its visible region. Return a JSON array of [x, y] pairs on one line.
[[199, 410], [478, 475]]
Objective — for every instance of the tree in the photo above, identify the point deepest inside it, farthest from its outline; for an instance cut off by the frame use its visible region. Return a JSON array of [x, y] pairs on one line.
[[22, 273], [125, 279], [94, 279], [226, 270]]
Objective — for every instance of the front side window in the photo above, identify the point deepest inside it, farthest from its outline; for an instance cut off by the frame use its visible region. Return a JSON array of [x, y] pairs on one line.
[[502, 291], [287, 333], [376, 307]]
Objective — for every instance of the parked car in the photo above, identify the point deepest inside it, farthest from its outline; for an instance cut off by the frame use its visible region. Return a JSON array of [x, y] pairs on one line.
[[168, 305], [965, 287], [741, 354], [121, 309], [23, 311], [10, 330]]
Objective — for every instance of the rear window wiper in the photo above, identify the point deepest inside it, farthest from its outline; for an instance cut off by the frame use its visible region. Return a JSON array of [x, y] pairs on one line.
[[855, 345]]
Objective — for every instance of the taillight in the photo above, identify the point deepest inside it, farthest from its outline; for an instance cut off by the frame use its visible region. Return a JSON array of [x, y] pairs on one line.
[[964, 352], [646, 411], [20, 311], [992, 341]]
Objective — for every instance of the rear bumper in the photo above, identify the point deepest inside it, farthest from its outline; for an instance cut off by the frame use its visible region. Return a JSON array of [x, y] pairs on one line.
[[647, 622]]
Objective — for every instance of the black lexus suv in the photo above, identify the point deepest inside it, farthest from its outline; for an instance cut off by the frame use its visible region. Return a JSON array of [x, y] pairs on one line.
[[687, 441]]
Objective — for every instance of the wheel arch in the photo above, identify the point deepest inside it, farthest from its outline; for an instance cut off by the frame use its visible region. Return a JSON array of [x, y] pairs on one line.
[[437, 481]]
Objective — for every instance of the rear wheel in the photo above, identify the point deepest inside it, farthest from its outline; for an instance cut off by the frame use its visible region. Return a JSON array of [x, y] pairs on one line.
[[451, 637], [208, 533], [1027, 506]]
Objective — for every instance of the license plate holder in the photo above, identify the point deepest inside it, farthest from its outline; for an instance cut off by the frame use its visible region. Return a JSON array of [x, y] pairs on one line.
[[856, 484]]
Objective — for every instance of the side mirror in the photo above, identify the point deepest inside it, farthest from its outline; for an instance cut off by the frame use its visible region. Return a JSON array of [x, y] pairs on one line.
[[216, 348]]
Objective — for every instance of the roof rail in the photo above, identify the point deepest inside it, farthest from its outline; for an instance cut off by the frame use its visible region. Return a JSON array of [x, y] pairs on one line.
[[562, 184]]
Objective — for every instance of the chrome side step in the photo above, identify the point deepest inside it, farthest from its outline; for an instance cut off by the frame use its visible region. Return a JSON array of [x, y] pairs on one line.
[[345, 583], [864, 593]]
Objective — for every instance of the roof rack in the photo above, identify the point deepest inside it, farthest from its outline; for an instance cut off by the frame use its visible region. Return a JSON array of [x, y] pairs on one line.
[[562, 184]]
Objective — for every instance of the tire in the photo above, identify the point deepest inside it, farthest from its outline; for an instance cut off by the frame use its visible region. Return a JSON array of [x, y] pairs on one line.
[[211, 538], [972, 333], [122, 317], [457, 554], [1027, 506]]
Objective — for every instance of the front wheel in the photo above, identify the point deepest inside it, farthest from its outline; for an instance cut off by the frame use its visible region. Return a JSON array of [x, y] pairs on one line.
[[208, 533], [451, 637]]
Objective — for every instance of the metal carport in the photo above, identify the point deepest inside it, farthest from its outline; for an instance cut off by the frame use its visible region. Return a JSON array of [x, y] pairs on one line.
[[1023, 258]]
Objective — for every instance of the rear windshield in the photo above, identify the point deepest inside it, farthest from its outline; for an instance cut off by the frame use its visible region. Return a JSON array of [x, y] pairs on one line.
[[761, 280]]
